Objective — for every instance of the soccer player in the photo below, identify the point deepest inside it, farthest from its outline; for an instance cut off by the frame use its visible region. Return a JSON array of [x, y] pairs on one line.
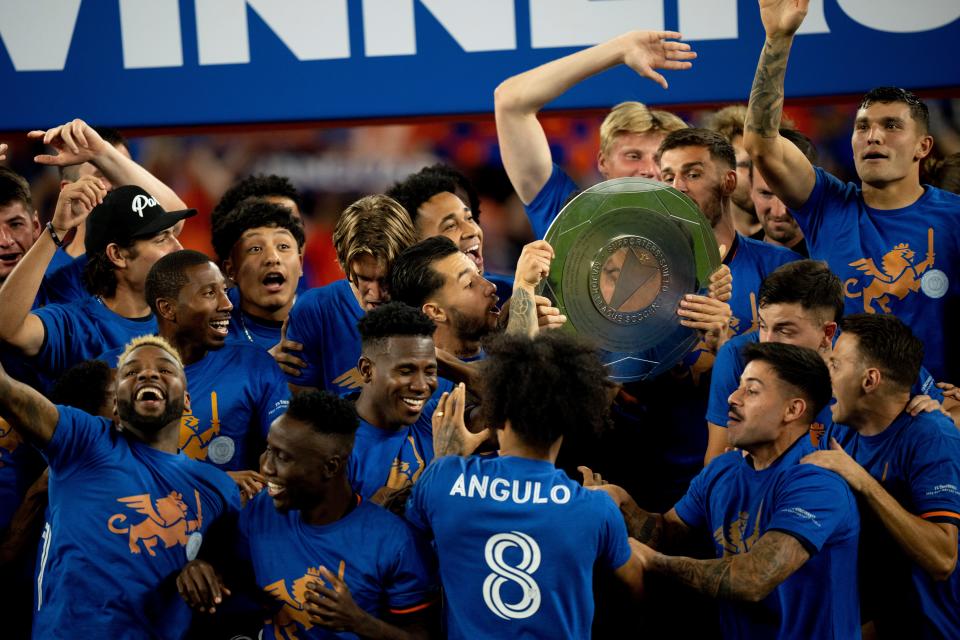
[[629, 136], [329, 560], [905, 469], [893, 242], [728, 122], [398, 367], [369, 235], [126, 233], [126, 510], [261, 249], [518, 540], [781, 533], [800, 303], [236, 390]]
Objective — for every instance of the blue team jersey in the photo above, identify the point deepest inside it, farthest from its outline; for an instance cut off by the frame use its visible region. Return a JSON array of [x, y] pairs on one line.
[[729, 367], [83, 330], [917, 461], [390, 458], [244, 328], [386, 569], [900, 261], [324, 321], [517, 541], [750, 262], [63, 281], [739, 504], [545, 207], [123, 520], [236, 392]]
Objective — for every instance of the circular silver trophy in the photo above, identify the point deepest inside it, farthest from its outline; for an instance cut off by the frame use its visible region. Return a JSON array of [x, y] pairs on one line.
[[627, 251]]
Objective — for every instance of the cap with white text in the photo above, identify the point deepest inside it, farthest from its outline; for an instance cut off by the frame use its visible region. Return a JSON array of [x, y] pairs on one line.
[[128, 213]]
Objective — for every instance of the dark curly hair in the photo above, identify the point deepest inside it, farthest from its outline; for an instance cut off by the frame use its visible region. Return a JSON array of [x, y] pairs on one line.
[[420, 187], [412, 276], [168, 275], [249, 215], [259, 186], [809, 283], [325, 412], [465, 189], [720, 149], [393, 319], [83, 386], [546, 387], [799, 367], [888, 344]]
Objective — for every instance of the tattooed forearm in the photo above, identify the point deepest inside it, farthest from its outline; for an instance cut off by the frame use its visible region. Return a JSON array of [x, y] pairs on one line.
[[766, 96], [645, 527], [749, 576], [523, 314]]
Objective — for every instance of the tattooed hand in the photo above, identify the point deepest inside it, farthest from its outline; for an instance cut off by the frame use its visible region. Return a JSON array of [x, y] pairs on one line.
[[450, 434]]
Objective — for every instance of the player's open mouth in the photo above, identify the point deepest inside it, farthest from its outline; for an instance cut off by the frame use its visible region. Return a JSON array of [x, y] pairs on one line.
[[473, 252], [10, 258], [274, 489], [874, 155], [274, 281], [150, 396], [414, 403], [221, 325]]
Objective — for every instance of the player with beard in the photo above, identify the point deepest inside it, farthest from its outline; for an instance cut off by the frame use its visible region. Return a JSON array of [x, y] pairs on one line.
[[369, 234], [905, 470], [728, 122], [352, 568], [261, 248], [893, 241], [127, 511], [629, 135], [398, 366], [780, 529], [231, 407]]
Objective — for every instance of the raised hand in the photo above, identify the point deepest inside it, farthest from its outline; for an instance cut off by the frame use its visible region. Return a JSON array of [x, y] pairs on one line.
[[76, 142], [201, 587], [75, 202], [548, 316], [648, 50], [534, 264], [282, 353], [708, 315], [450, 434], [782, 17]]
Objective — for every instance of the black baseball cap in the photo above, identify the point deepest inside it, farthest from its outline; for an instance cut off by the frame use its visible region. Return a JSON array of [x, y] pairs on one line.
[[128, 213]]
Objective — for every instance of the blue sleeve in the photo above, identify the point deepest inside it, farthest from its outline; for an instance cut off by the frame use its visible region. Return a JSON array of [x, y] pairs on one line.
[[64, 283], [411, 582], [306, 327], [692, 507], [543, 209], [78, 438], [60, 331], [416, 513], [934, 473], [614, 550], [825, 199], [926, 386], [274, 395], [724, 380], [811, 504]]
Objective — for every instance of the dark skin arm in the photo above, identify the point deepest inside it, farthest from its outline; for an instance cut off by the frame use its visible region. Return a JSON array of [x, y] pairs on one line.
[[32, 415], [749, 576]]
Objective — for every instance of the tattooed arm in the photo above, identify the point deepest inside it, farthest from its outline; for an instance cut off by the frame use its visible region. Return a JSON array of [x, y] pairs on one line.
[[27, 411], [749, 576], [784, 167], [532, 267]]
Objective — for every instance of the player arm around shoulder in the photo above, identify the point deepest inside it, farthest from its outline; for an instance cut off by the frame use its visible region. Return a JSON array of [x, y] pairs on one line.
[[787, 171], [30, 413]]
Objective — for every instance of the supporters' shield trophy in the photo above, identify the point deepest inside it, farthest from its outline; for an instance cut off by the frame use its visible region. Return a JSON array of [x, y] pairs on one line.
[[627, 251]]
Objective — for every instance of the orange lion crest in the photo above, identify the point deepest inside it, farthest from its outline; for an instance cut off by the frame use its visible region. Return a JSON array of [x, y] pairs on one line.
[[293, 612], [899, 276], [166, 521]]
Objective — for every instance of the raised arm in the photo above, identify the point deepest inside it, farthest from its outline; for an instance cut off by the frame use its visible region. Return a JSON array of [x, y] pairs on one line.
[[33, 416], [523, 143], [77, 142], [18, 326], [749, 576], [786, 170], [532, 267]]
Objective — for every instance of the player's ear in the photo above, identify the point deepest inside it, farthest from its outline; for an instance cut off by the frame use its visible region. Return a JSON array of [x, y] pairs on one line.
[[365, 367], [186, 402], [433, 311]]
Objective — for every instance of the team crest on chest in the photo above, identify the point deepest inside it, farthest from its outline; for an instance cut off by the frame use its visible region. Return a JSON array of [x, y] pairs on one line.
[[900, 274], [166, 520]]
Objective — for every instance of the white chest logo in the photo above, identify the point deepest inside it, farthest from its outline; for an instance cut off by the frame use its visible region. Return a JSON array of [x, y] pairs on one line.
[[141, 202]]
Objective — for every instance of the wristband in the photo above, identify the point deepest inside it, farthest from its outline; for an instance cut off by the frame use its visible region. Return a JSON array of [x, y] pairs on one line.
[[53, 234]]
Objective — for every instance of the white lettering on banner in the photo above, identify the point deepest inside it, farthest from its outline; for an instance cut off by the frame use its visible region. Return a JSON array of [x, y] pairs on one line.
[[150, 32], [577, 23], [141, 202], [37, 33], [501, 490]]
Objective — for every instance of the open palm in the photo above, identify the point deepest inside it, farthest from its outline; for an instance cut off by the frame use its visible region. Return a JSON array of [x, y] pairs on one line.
[[650, 50], [783, 17]]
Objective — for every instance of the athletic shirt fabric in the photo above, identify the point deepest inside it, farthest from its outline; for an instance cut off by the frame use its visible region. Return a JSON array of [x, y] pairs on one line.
[[739, 504], [917, 461], [385, 567], [391, 458], [517, 542], [123, 520], [900, 261], [236, 392], [324, 321]]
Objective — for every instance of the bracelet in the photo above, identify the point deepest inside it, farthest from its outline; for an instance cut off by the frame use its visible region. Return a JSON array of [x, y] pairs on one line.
[[53, 234]]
